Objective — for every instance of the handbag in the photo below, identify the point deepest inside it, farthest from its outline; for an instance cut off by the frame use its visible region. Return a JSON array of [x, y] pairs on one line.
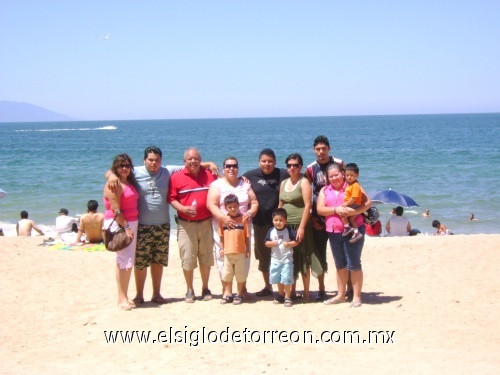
[[117, 240], [371, 215]]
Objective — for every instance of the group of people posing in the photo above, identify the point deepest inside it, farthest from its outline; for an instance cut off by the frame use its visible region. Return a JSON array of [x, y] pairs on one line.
[[284, 215]]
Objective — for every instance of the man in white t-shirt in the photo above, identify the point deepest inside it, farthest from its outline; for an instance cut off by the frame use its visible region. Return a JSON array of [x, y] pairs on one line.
[[65, 223], [398, 225]]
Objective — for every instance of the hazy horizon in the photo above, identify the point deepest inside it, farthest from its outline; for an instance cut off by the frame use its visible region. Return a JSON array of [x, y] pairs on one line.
[[226, 59], [222, 118]]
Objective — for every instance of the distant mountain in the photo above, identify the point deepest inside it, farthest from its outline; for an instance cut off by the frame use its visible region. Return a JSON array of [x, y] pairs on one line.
[[25, 112]]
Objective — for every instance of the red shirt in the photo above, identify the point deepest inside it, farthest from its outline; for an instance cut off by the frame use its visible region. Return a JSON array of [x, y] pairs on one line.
[[185, 188], [375, 229]]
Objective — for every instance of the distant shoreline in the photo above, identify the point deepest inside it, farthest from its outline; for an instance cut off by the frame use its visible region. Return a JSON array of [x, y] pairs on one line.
[[71, 120]]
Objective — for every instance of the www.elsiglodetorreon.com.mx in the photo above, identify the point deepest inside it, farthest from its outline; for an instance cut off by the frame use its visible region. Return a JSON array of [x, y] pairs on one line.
[[196, 337]]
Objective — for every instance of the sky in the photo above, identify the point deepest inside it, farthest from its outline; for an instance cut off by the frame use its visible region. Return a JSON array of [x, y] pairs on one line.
[[257, 58]]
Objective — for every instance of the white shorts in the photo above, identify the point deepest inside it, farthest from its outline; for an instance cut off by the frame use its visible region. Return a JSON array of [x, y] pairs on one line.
[[125, 258]]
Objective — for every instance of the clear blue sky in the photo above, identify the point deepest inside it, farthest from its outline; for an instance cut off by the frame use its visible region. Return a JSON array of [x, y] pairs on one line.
[[258, 58]]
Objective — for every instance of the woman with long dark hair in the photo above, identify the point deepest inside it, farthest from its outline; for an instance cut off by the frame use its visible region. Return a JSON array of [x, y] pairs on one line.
[[122, 203]]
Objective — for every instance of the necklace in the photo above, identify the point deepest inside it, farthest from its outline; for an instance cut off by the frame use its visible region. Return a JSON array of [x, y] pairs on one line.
[[152, 183]]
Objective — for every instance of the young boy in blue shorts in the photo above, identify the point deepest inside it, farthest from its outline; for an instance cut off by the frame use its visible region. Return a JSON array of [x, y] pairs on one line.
[[281, 240]]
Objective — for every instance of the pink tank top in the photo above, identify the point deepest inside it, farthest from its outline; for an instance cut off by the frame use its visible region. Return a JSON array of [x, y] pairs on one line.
[[335, 198], [128, 204]]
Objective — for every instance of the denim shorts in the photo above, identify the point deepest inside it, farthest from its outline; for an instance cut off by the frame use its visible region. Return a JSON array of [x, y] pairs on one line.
[[346, 254], [281, 273]]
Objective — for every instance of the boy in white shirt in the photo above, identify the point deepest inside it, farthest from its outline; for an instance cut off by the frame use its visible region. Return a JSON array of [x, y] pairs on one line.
[[281, 240]]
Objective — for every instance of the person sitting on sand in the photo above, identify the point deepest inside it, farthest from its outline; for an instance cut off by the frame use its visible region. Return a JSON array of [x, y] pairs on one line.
[[24, 226], [374, 230], [398, 225], [441, 229], [90, 225], [426, 213], [65, 223]]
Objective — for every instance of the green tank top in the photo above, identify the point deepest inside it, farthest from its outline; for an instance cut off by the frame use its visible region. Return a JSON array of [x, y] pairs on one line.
[[292, 202]]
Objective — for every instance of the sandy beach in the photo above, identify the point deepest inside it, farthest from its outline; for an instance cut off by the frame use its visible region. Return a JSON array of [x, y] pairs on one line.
[[437, 297]]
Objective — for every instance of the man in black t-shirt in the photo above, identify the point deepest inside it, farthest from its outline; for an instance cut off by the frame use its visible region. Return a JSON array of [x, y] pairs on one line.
[[265, 182]]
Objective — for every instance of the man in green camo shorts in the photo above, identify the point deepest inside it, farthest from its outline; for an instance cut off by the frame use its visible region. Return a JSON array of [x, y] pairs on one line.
[[153, 233]]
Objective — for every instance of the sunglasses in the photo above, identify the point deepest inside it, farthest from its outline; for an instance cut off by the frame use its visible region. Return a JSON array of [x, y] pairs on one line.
[[229, 166], [293, 165], [125, 165]]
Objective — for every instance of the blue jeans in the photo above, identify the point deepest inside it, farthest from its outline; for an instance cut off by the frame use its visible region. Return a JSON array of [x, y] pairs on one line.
[[346, 254]]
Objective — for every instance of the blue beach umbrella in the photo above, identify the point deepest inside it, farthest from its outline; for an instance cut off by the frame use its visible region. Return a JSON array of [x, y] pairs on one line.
[[3, 194], [392, 197]]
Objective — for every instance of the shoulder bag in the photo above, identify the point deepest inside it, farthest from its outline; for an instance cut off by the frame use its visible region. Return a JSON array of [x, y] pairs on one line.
[[117, 240]]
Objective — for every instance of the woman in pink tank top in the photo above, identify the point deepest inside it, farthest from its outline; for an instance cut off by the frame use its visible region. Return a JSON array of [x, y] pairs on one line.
[[347, 255], [122, 202]]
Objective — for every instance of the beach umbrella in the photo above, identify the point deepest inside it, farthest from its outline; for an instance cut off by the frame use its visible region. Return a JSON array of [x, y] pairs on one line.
[[392, 197], [2, 193]]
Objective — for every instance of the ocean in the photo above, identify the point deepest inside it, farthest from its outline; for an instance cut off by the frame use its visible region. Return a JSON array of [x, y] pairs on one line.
[[447, 163]]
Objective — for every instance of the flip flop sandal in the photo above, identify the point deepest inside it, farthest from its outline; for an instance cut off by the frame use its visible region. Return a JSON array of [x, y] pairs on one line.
[[124, 306], [206, 295], [190, 297], [137, 301], [321, 296], [296, 296], [226, 299], [288, 302], [159, 300], [237, 300], [264, 293], [279, 300], [333, 301]]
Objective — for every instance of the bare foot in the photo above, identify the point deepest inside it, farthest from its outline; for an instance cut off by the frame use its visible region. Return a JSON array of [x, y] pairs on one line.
[[124, 306]]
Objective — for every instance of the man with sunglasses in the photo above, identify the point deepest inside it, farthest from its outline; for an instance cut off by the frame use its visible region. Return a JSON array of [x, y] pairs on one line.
[[153, 233]]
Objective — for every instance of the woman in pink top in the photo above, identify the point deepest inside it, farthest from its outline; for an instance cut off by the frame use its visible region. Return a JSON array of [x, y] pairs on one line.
[[123, 201], [347, 255]]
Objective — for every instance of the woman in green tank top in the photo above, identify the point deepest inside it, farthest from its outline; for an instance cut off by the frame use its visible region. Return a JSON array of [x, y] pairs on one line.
[[296, 198]]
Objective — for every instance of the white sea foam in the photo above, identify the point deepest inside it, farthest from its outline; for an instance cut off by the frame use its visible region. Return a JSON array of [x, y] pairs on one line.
[[108, 127]]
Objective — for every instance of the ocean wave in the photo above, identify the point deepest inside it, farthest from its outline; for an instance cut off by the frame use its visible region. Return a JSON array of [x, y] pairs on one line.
[[108, 127]]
